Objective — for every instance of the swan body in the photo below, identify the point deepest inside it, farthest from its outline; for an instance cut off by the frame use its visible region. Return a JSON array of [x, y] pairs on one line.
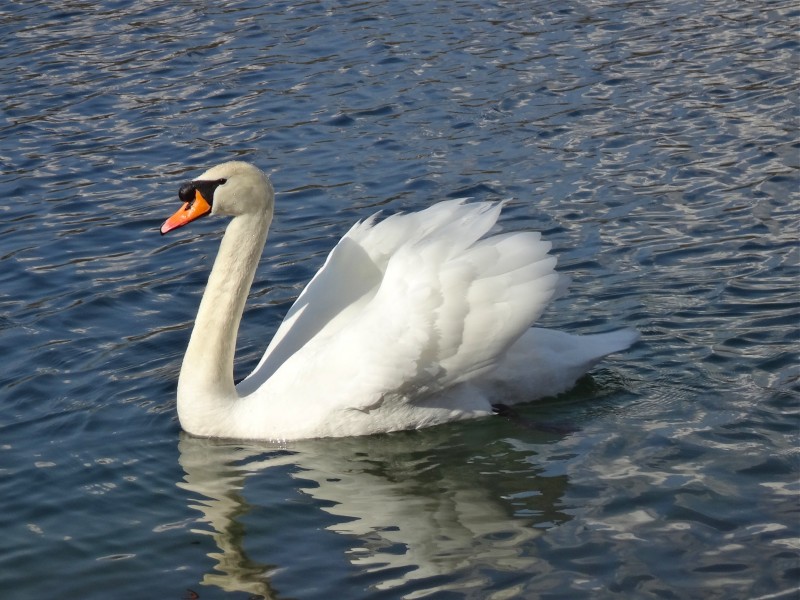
[[415, 320]]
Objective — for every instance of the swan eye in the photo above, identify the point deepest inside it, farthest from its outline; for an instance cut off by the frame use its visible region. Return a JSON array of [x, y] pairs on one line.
[[186, 193], [206, 189]]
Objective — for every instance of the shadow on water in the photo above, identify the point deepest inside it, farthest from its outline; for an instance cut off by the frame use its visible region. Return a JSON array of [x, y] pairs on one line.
[[417, 510]]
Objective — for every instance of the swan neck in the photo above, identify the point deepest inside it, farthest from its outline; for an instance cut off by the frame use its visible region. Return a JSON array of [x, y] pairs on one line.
[[206, 390]]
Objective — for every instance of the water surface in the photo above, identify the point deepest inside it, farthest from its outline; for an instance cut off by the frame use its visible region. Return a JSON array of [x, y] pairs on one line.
[[655, 144]]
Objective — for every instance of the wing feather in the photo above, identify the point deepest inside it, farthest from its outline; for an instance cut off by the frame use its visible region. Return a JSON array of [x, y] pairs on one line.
[[410, 306]]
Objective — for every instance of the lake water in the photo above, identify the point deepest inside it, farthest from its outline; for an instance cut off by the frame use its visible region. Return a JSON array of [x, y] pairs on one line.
[[654, 143]]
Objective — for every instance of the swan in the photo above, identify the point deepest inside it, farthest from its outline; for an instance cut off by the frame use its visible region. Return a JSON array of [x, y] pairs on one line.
[[414, 320]]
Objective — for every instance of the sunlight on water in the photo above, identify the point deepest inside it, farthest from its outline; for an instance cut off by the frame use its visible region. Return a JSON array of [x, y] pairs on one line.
[[655, 144]]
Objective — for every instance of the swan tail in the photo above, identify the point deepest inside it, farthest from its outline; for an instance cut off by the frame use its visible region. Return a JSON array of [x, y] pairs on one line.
[[599, 345], [546, 362]]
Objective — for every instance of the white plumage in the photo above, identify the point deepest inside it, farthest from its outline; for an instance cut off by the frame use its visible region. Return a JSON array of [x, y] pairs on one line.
[[414, 320]]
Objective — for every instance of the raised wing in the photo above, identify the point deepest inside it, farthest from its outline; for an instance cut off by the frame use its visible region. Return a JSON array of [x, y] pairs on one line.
[[408, 307], [348, 280]]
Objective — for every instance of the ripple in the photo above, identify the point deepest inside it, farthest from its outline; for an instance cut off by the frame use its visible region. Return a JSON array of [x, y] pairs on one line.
[[654, 144]]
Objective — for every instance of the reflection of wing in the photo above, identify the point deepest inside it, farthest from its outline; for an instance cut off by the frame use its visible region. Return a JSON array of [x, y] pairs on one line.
[[408, 513], [406, 307]]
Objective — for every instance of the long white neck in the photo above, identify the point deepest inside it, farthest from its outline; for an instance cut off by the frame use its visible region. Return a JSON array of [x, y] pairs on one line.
[[206, 393]]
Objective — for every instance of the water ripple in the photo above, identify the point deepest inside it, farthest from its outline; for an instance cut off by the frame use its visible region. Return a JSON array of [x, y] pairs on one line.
[[654, 143]]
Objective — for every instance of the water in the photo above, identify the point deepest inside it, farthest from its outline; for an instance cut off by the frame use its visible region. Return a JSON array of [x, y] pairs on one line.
[[654, 143]]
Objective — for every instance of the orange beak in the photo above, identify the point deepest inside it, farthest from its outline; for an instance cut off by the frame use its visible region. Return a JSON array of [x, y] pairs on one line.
[[187, 213]]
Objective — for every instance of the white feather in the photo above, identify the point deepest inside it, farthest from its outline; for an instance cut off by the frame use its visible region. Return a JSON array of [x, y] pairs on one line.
[[413, 320]]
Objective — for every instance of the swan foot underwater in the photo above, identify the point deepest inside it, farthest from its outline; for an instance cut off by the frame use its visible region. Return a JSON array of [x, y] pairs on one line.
[[415, 320]]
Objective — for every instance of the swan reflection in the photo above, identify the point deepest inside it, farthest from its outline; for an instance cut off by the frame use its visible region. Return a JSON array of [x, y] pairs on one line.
[[409, 506]]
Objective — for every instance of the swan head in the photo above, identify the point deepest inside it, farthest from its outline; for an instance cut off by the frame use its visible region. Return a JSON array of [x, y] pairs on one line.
[[233, 188]]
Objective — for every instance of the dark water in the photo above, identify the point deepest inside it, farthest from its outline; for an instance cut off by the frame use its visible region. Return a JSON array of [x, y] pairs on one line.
[[655, 143]]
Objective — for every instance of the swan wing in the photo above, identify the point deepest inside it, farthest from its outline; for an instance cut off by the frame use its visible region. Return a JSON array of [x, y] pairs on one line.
[[441, 305], [348, 275], [347, 281]]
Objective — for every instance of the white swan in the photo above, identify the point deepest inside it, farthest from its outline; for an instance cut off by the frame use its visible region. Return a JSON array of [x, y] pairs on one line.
[[413, 321]]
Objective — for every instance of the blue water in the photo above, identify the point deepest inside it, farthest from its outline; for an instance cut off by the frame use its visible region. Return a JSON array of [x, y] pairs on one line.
[[654, 143]]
